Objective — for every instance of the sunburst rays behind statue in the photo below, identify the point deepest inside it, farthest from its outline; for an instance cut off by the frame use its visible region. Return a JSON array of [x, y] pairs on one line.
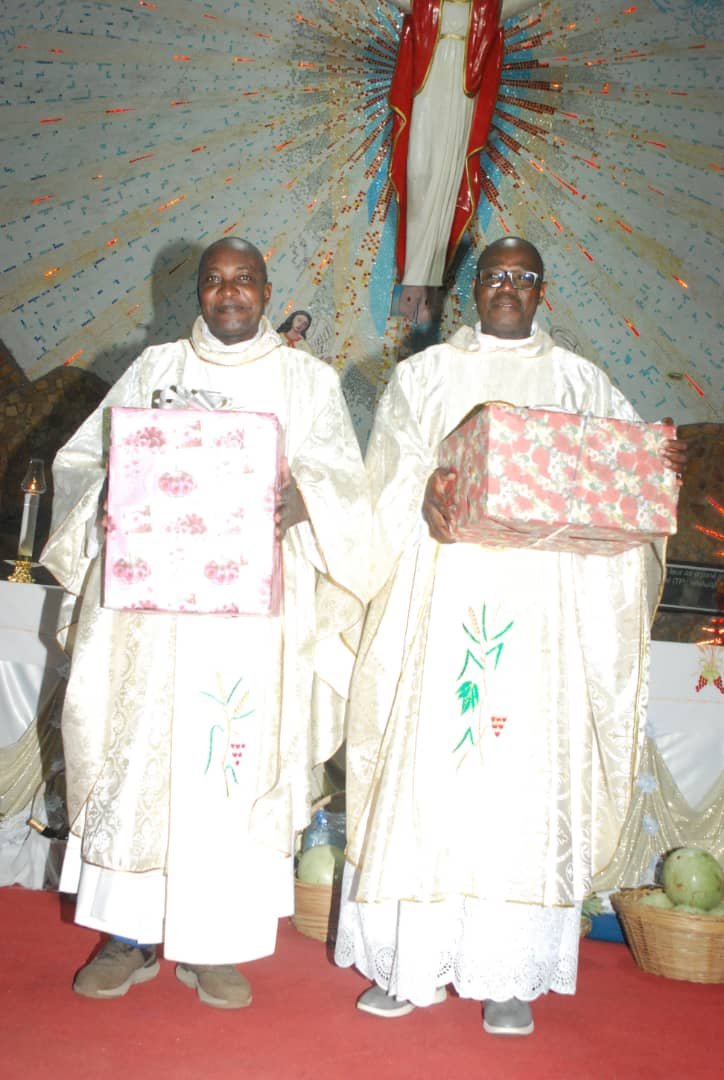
[[135, 133]]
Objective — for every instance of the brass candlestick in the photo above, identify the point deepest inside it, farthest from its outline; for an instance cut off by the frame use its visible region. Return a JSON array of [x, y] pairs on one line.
[[21, 574]]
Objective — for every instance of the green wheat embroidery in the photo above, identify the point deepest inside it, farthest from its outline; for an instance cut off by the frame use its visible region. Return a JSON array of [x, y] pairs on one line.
[[484, 645], [233, 710]]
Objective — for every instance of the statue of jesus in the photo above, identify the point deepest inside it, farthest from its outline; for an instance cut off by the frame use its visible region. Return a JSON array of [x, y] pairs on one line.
[[443, 94]]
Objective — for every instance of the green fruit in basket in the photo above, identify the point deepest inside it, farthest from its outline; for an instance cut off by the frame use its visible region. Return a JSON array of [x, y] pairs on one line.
[[657, 899], [715, 912], [694, 878], [320, 865]]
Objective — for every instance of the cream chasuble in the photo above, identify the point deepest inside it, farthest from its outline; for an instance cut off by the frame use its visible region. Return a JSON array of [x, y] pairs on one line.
[[497, 699], [190, 739]]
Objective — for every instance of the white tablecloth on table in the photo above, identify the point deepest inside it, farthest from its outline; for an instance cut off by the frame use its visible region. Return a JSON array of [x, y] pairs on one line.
[[687, 724], [678, 795], [34, 620]]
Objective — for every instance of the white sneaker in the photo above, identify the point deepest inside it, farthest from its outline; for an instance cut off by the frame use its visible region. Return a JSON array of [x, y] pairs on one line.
[[511, 1017], [377, 1002]]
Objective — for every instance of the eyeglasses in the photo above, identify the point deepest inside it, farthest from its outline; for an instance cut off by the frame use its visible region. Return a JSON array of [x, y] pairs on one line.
[[519, 279]]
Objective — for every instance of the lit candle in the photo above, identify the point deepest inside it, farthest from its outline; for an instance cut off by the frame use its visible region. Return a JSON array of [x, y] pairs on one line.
[[33, 485]]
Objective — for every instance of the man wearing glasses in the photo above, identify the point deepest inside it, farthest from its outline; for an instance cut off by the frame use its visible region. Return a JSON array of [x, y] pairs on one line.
[[497, 697]]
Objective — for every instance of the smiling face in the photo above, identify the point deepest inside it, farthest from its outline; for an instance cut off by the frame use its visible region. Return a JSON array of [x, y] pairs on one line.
[[233, 290], [506, 312]]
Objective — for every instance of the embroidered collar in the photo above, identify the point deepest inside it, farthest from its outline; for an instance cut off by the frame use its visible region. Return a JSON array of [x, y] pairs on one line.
[[471, 339], [214, 351]]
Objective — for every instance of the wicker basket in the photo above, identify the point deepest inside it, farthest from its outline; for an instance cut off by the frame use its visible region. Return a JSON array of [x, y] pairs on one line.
[[675, 944], [313, 909]]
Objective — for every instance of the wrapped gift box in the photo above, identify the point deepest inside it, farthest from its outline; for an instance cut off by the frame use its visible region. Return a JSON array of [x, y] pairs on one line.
[[559, 481], [191, 502]]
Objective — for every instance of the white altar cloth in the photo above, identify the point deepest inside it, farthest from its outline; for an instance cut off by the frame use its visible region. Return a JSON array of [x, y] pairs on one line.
[[34, 620], [678, 796], [687, 724]]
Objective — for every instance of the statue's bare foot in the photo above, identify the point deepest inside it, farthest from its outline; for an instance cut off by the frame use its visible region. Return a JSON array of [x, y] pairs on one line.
[[420, 304]]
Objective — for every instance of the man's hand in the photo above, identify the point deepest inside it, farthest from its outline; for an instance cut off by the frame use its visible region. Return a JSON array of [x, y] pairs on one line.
[[291, 508], [437, 504], [675, 453]]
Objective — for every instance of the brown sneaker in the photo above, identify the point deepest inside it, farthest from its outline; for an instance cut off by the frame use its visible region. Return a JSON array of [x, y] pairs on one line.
[[115, 969], [220, 985]]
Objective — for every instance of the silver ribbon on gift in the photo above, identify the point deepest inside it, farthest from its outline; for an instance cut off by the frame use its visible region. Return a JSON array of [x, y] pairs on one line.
[[180, 397]]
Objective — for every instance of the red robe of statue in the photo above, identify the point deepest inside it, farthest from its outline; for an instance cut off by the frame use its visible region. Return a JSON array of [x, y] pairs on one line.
[[483, 58]]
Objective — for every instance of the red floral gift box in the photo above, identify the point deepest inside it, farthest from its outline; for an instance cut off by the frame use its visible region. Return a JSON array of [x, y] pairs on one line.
[[191, 502], [559, 481]]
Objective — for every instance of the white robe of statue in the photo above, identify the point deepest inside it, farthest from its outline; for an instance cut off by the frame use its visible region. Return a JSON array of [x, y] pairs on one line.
[[439, 133]]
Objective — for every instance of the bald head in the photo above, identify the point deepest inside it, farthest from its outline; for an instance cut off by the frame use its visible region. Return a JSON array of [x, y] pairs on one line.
[[506, 244], [234, 243]]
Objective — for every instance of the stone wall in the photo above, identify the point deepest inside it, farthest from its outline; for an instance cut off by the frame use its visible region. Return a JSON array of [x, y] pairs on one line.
[[36, 418]]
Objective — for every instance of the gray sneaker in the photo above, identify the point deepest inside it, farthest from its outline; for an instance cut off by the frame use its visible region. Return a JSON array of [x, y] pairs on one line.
[[115, 969], [377, 1002], [220, 985], [511, 1017]]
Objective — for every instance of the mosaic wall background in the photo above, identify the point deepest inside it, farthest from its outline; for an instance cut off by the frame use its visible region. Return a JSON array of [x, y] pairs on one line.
[[135, 131]]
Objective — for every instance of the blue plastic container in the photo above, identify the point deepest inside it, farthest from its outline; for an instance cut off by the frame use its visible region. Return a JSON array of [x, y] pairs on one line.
[[606, 928]]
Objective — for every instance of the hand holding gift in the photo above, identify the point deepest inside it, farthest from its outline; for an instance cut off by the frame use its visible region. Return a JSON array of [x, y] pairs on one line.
[[674, 453], [291, 508], [438, 503]]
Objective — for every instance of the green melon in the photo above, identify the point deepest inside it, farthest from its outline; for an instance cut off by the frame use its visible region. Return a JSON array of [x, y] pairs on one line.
[[693, 877], [320, 865]]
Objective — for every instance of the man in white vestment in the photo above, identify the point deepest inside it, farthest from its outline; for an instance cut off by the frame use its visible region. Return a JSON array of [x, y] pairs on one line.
[[497, 698], [178, 834]]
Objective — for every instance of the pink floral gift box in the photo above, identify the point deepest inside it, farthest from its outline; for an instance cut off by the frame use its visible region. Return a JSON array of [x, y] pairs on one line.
[[191, 502], [559, 481]]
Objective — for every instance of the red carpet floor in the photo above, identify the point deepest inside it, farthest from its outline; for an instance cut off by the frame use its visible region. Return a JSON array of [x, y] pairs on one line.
[[622, 1023]]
